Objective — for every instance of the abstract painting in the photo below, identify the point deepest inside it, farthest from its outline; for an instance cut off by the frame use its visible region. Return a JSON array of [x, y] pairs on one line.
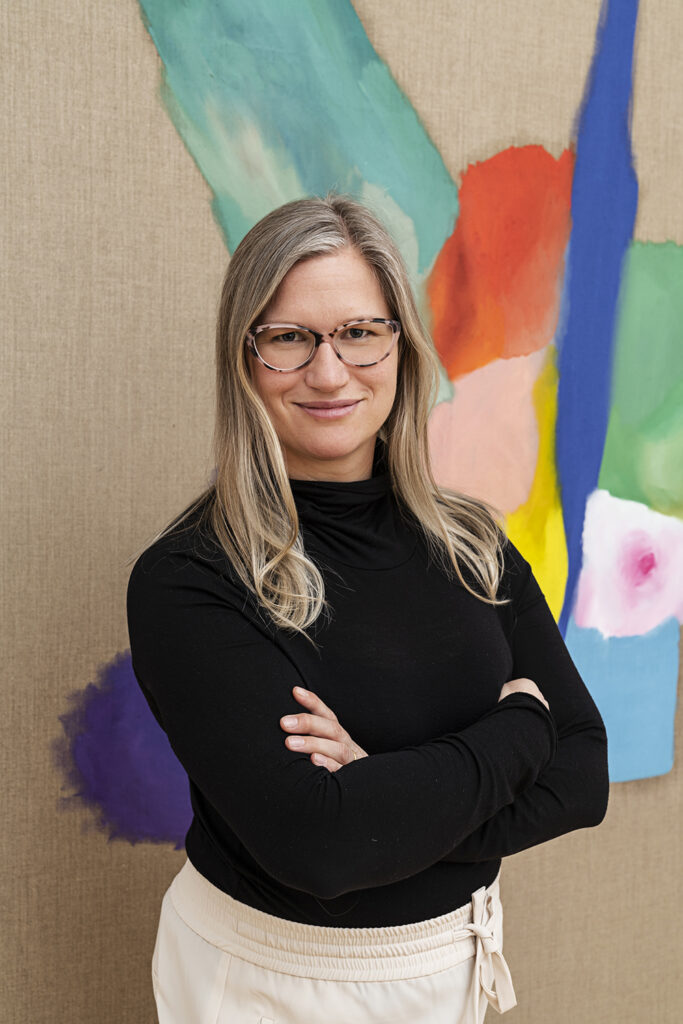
[[559, 337]]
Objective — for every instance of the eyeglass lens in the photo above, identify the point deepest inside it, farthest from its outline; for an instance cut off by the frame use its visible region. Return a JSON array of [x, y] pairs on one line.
[[359, 343]]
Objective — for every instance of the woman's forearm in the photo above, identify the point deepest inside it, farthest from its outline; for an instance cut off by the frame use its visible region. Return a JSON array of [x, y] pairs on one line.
[[571, 793]]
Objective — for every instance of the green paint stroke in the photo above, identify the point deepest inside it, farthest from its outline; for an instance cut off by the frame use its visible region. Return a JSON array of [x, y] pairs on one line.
[[278, 100], [644, 447]]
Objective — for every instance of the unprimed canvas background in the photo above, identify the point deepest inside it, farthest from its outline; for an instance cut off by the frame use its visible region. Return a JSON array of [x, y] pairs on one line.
[[111, 264]]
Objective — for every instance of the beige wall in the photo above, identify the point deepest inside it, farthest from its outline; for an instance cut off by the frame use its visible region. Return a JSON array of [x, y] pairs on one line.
[[110, 274]]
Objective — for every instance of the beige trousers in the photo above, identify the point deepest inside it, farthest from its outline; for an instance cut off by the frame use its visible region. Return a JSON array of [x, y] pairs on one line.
[[219, 961]]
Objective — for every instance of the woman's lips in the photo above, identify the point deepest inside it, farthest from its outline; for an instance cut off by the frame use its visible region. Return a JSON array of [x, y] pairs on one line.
[[333, 411]]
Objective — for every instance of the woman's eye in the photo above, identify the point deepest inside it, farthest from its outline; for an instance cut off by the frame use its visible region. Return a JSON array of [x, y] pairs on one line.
[[357, 333], [287, 337]]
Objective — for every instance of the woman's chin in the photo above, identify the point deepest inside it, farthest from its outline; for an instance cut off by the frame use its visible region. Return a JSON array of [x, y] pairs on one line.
[[331, 455]]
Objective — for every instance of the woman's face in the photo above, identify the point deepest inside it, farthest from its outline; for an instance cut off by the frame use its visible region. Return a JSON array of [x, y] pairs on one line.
[[322, 293]]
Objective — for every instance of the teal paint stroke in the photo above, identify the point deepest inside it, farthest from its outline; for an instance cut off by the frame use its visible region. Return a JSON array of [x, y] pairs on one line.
[[633, 681], [279, 100]]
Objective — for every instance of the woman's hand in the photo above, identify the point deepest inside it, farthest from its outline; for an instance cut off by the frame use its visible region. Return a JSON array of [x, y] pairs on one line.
[[319, 734], [522, 686]]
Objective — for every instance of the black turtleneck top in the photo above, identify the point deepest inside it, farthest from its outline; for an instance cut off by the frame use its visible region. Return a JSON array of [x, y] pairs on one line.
[[412, 664]]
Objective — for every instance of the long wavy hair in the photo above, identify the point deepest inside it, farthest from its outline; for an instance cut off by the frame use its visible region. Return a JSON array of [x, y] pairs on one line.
[[250, 506]]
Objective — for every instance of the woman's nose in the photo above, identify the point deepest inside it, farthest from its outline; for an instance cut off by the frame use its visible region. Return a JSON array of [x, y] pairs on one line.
[[326, 370]]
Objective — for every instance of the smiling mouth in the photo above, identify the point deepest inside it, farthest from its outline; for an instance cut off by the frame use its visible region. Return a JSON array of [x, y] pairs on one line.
[[329, 410], [339, 404]]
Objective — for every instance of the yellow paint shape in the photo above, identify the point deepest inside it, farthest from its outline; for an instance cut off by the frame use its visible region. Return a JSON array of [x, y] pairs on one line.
[[537, 526]]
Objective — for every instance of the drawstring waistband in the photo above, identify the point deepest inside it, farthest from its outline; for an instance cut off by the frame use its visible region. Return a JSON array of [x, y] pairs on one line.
[[353, 954]]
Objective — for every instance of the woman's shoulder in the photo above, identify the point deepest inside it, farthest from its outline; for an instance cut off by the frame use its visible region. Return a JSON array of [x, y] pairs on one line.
[[186, 551], [515, 566], [517, 580]]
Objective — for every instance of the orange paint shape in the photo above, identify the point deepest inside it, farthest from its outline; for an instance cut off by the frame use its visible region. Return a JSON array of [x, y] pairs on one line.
[[495, 287]]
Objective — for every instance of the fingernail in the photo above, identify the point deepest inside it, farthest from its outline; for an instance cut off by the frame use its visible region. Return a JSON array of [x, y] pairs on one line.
[[290, 721], [300, 690], [295, 741]]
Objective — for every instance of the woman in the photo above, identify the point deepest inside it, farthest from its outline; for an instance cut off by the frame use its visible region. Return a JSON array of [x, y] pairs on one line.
[[344, 855]]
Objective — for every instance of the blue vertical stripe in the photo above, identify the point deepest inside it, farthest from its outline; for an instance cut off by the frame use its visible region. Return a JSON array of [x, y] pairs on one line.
[[604, 201]]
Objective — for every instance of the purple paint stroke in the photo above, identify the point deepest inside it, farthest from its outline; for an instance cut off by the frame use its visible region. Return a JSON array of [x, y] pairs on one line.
[[118, 761]]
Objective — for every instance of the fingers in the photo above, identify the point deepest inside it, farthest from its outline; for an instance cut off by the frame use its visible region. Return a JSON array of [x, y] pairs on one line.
[[313, 702], [340, 752], [319, 733], [313, 725], [326, 762]]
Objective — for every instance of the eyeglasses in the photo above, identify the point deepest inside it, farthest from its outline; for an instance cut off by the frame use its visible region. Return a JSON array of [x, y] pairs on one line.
[[287, 347]]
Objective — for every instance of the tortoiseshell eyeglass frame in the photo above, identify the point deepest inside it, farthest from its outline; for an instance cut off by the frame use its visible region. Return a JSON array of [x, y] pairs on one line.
[[320, 338]]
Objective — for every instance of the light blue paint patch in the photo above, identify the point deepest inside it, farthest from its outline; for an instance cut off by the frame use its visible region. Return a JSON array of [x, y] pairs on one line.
[[604, 200], [633, 681], [278, 100]]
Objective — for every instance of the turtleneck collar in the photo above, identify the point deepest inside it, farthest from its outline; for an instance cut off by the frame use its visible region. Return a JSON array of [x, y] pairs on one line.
[[355, 522]]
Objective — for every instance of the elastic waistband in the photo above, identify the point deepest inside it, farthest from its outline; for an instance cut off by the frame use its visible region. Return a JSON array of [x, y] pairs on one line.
[[342, 954]]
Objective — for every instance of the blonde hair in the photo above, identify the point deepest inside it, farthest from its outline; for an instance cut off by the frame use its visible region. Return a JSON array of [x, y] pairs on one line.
[[250, 505]]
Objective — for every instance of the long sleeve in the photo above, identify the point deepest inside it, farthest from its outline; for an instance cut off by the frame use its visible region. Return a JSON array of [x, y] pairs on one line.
[[572, 791], [218, 682]]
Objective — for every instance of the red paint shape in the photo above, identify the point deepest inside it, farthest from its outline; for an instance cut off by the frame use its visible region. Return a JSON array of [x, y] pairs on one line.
[[495, 288]]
